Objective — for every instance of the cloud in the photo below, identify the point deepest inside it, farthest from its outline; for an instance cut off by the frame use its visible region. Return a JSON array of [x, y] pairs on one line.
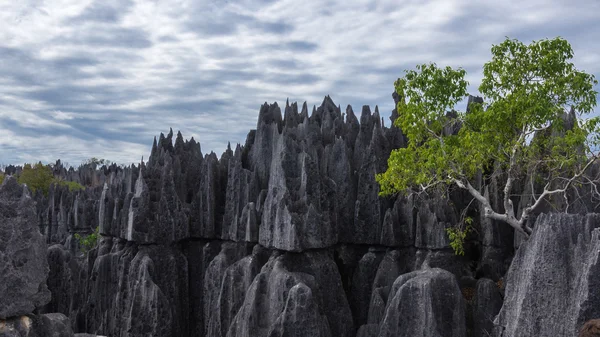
[[101, 78]]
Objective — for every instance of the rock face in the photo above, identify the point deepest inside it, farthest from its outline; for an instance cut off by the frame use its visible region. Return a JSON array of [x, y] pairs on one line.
[[424, 303], [552, 286], [55, 325], [24, 267]]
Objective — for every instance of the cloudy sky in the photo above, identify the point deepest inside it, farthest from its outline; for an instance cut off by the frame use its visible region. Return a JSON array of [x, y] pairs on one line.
[[101, 78]]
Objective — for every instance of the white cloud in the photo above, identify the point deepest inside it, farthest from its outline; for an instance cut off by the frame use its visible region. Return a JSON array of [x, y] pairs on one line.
[[101, 78]]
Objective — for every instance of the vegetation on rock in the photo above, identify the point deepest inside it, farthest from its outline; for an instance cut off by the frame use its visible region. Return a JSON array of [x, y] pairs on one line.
[[89, 241], [528, 90]]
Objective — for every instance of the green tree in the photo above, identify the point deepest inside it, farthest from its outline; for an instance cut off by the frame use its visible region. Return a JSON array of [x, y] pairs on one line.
[[527, 90], [37, 177], [40, 177]]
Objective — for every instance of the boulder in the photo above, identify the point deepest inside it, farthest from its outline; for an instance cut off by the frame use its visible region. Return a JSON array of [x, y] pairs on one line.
[[425, 303]]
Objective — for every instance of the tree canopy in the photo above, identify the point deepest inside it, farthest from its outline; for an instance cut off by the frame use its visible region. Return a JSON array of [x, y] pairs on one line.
[[527, 91]]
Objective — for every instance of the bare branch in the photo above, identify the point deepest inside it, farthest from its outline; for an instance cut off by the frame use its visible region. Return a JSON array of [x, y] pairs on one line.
[[527, 211]]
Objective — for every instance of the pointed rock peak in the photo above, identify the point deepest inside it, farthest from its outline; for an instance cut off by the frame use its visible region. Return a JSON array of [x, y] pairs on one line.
[[304, 112], [228, 146], [154, 147], [473, 100], [365, 116], [366, 111], [170, 135], [395, 97], [376, 117], [179, 143], [287, 102], [349, 110]]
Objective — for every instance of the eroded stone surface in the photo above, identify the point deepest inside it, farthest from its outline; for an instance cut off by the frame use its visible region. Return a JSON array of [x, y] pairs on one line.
[[23, 262]]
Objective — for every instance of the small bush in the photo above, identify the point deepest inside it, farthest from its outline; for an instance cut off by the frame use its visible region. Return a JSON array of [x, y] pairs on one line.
[[73, 185], [1, 178], [457, 238], [88, 242]]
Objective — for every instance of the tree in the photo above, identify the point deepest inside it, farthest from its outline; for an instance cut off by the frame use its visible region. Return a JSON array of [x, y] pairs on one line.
[[37, 177], [527, 91], [40, 177]]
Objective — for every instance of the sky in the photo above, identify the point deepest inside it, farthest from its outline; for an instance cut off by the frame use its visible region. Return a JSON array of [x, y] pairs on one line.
[[101, 78]]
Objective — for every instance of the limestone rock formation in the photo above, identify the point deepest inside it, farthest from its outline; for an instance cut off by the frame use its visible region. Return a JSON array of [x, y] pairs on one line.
[[286, 235], [55, 325], [424, 303], [552, 286], [23, 267]]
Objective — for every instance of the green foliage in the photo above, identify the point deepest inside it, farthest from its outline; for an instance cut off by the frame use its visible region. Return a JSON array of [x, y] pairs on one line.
[[88, 242], [40, 177], [97, 161], [1, 178], [72, 185], [458, 235], [37, 177], [527, 88]]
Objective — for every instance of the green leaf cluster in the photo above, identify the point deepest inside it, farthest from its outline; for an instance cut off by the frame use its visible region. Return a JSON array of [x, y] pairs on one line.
[[1, 178], [457, 238], [88, 242], [72, 185], [527, 90]]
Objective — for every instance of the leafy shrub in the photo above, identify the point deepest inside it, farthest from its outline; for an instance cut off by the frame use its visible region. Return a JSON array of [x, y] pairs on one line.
[[88, 242], [457, 238], [72, 185], [1, 178]]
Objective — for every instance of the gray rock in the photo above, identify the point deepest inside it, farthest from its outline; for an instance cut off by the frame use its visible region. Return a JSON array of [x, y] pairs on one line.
[[394, 264], [434, 216], [271, 307], [300, 316], [362, 283], [425, 303], [552, 285], [47, 325], [488, 301], [24, 268], [149, 287], [66, 282], [299, 209], [240, 221], [227, 278]]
